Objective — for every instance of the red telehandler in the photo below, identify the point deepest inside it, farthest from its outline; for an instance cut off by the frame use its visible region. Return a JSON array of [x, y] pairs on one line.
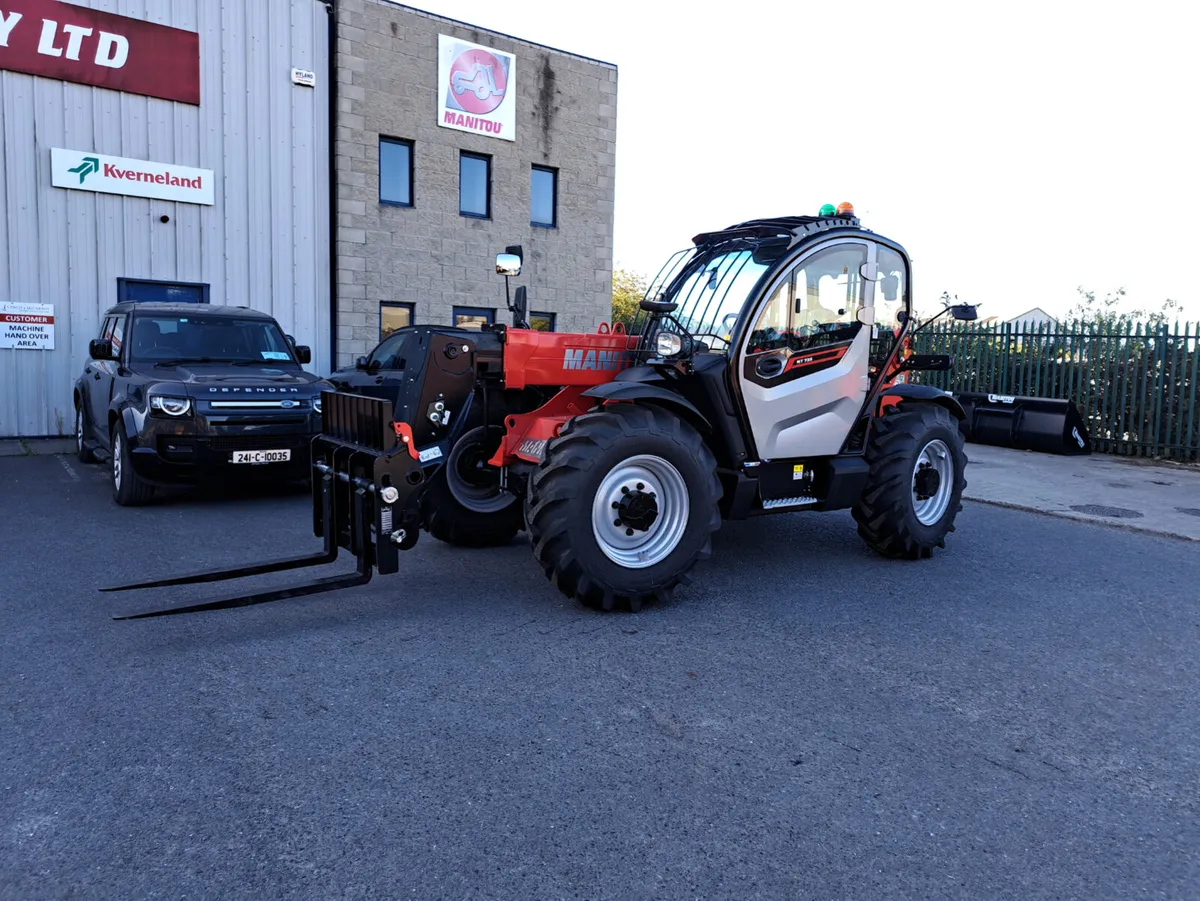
[[766, 374]]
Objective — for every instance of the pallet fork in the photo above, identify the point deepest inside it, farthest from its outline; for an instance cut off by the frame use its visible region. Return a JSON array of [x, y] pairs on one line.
[[366, 483]]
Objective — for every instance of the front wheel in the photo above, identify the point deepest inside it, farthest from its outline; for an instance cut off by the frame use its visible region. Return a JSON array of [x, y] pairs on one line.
[[623, 506], [914, 490], [129, 490]]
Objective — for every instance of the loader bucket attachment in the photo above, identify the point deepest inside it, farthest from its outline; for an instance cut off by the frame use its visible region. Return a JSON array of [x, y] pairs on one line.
[[366, 485], [1030, 423]]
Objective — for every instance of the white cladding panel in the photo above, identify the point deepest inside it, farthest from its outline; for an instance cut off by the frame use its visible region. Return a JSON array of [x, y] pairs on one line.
[[263, 244]]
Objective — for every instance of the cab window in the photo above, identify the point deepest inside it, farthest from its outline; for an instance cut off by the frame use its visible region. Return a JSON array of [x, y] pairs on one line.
[[816, 304], [891, 289]]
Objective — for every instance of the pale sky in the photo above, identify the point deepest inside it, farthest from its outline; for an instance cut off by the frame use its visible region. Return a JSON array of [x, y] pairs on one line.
[[1016, 150]]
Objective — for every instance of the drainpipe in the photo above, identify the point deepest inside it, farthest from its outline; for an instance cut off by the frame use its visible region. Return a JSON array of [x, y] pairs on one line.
[[331, 9]]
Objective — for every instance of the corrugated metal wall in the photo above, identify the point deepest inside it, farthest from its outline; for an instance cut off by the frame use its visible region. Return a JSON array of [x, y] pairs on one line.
[[265, 243]]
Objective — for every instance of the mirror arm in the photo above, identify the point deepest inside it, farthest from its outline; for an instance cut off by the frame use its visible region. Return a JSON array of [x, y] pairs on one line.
[[930, 321]]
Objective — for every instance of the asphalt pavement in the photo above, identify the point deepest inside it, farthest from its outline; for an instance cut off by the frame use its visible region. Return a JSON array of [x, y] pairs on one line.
[[1015, 718]]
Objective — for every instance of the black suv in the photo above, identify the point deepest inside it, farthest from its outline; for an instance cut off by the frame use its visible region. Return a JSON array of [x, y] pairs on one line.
[[174, 393]]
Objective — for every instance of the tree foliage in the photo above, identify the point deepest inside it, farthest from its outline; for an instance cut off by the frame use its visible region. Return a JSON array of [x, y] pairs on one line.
[[1113, 307], [628, 289]]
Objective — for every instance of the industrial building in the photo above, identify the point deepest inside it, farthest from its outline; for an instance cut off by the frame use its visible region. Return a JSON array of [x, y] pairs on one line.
[[348, 166]]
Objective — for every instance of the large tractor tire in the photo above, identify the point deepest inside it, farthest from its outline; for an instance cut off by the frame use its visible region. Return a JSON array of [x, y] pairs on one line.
[[623, 506], [915, 487], [463, 503]]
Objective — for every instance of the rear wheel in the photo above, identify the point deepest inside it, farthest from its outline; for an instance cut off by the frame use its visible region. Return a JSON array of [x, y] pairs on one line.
[[128, 489], [82, 451], [914, 491], [623, 506], [464, 503]]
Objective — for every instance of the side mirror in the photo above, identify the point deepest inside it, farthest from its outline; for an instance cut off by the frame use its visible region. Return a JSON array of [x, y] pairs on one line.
[[303, 353], [964, 312], [521, 308], [508, 264], [658, 306], [100, 350], [360, 363], [902, 316], [891, 286]]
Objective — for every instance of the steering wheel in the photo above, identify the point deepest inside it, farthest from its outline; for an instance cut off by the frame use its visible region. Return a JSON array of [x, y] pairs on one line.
[[720, 338]]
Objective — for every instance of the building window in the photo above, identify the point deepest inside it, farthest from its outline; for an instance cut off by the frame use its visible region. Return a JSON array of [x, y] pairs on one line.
[[395, 172], [543, 197], [144, 290], [475, 185], [542, 322], [473, 317], [393, 316]]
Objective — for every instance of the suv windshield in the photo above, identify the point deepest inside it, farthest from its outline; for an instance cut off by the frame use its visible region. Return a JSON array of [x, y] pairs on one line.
[[203, 338]]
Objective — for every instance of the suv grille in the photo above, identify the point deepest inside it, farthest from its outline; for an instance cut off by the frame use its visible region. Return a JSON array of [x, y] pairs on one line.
[[227, 443]]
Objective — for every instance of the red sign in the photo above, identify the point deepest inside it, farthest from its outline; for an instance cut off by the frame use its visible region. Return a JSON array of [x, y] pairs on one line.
[[72, 43]]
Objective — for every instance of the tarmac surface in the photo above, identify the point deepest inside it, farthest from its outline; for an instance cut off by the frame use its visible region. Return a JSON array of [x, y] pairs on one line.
[[1133, 493], [1015, 718]]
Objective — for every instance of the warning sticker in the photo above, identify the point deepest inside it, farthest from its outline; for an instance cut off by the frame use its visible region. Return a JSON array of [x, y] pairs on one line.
[[27, 326], [797, 471]]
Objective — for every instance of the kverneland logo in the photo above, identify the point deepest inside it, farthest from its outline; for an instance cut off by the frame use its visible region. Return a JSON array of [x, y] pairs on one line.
[[89, 165], [154, 178]]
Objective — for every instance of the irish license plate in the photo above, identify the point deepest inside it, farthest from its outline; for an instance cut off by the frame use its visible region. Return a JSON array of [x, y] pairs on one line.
[[263, 456]]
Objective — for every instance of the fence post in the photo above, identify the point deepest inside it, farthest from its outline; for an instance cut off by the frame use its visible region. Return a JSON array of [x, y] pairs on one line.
[[1005, 360]]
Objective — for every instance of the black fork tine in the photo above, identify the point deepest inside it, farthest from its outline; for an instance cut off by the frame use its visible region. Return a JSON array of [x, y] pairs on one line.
[[328, 555], [331, 583]]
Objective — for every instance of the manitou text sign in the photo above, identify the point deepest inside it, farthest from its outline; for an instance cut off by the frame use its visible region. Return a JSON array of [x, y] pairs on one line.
[[72, 43], [477, 89], [83, 170], [27, 326]]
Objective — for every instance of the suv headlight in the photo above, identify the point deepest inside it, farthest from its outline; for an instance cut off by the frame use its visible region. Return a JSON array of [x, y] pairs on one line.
[[667, 344], [172, 406], [316, 402]]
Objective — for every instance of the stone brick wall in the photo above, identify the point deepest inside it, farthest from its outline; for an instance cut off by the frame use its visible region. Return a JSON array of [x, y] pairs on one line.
[[430, 255]]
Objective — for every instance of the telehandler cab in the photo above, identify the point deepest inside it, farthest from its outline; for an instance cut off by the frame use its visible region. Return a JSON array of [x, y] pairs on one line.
[[766, 374]]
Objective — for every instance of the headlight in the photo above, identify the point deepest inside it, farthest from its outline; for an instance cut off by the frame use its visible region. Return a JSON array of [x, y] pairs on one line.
[[317, 403], [668, 344], [172, 406]]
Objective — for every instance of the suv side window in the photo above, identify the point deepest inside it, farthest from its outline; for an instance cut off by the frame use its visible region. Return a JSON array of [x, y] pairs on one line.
[[118, 335], [106, 328], [390, 354], [816, 305]]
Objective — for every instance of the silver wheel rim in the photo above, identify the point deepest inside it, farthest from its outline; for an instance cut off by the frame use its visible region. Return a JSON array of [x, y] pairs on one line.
[[644, 547], [934, 456], [116, 455], [79, 430]]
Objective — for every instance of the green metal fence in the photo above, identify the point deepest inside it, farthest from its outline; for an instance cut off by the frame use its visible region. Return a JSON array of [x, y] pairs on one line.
[[1134, 383]]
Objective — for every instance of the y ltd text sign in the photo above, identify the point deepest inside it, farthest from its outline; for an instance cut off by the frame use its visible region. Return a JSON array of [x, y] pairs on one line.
[[83, 170], [87, 46]]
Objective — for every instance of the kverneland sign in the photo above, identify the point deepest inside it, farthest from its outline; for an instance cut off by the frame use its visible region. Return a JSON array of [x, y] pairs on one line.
[[83, 170], [73, 43]]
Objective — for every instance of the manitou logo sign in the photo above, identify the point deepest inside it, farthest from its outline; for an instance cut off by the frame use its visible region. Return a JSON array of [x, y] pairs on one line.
[[476, 89], [594, 359], [85, 171], [72, 43]]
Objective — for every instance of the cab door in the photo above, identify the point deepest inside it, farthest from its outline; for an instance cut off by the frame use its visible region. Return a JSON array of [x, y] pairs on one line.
[[803, 365]]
